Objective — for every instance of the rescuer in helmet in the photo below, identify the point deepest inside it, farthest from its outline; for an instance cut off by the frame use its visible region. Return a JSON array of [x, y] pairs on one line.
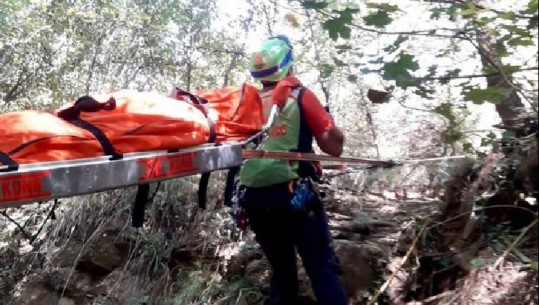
[[280, 198]]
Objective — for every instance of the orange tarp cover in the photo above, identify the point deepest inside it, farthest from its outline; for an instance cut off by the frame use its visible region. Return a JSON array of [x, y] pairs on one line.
[[140, 121]]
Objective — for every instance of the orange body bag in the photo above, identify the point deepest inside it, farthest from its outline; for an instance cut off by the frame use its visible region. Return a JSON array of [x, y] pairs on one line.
[[130, 121]]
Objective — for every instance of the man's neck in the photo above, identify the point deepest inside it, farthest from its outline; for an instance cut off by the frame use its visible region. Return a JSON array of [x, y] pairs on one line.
[[268, 85]]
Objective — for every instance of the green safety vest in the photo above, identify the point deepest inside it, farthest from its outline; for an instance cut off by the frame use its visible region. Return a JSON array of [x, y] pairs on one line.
[[289, 133]]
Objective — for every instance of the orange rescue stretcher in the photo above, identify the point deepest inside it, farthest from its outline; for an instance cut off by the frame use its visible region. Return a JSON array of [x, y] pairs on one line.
[[125, 138]]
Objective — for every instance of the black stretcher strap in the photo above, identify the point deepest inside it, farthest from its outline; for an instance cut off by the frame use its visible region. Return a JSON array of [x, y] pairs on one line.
[[6, 160], [201, 103], [88, 104], [213, 134], [229, 186], [137, 213], [108, 149], [203, 190]]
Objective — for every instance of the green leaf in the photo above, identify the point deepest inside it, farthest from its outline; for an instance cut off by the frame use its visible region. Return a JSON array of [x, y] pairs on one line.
[[396, 44], [450, 74], [491, 135], [508, 135], [505, 69], [513, 29], [378, 60], [517, 41], [353, 6], [534, 265], [469, 10], [492, 95], [384, 7], [432, 70], [436, 13], [451, 135], [485, 20], [310, 4], [338, 26], [446, 111], [444, 261], [408, 62], [343, 48], [379, 19], [352, 78], [424, 91], [532, 7], [326, 70], [399, 70], [501, 49], [452, 10], [507, 16]]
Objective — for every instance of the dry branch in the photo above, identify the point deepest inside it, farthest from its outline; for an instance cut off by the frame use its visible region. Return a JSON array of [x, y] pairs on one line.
[[399, 267]]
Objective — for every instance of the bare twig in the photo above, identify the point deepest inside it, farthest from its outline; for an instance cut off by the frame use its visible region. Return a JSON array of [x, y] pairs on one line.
[[481, 209], [433, 299], [21, 228], [51, 213], [513, 245], [474, 75], [268, 23], [399, 267], [401, 102]]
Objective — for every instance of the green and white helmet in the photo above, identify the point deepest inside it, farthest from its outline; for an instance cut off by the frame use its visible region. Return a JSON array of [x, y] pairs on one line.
[[273, 60]]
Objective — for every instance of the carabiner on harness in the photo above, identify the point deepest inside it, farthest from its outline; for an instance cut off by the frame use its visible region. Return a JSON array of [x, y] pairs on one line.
[[304, 194]]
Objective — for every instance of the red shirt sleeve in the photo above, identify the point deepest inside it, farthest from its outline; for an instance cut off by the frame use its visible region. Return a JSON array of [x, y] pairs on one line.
[[317, 118]]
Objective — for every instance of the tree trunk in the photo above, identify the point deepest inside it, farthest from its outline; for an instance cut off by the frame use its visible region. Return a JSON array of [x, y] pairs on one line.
[[229, 69], [511, 104]]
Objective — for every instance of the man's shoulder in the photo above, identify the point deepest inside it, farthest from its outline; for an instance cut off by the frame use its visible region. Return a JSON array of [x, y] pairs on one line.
[[307, 95]]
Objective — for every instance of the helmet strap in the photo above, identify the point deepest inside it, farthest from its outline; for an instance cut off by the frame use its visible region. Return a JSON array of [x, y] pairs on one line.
[[270, 71]]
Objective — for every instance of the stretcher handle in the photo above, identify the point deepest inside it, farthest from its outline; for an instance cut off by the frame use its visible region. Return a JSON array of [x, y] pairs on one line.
[[86, 104], [266, 127]]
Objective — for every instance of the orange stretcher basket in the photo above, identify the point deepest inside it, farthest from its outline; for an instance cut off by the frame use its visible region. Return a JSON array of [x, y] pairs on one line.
[[129, 121]]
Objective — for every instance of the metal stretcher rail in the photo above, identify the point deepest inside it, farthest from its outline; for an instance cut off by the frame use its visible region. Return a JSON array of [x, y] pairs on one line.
[[46, 181], [59, 179]]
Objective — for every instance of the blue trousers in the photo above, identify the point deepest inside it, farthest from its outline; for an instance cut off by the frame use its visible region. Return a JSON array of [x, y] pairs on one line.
[[280, 230]]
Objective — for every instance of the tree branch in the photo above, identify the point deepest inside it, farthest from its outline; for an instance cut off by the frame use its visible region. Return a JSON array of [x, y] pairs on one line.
[[446, 78], [401, 102], [481, 7], [323, 86], [429, 32], [268, 24], [26, 235], [472, 75]]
